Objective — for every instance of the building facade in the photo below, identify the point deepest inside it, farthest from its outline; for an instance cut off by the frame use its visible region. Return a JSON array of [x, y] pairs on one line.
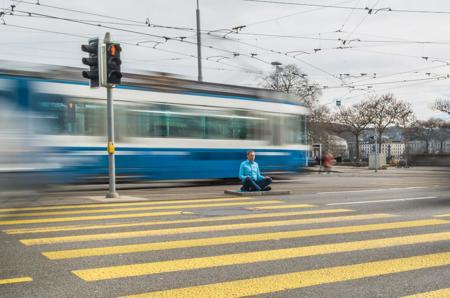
[[389, 149], [419, 146]]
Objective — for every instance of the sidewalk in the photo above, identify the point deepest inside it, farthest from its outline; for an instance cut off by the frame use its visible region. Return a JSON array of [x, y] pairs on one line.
[[338, 169], [309, 182]]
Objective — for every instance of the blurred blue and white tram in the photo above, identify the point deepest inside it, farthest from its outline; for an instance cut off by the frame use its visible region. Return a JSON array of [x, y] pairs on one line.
[[166, 127]]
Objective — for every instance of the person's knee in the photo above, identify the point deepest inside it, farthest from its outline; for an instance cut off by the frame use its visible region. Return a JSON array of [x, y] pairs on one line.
[[269, 180]]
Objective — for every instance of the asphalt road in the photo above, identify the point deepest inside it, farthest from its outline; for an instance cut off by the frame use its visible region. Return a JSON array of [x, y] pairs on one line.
[[349, 234]]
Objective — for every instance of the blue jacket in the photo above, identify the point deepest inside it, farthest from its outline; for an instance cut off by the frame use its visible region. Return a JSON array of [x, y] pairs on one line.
[[249, 169]]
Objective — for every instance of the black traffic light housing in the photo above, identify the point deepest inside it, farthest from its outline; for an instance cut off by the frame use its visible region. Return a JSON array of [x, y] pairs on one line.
[[113, 62], [93, 62]]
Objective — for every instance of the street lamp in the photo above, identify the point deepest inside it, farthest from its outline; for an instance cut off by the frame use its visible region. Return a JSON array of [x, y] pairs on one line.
[[277, 65]]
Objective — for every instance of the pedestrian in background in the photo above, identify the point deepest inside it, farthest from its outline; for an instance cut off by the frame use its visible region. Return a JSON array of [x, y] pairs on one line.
[[328, 160]]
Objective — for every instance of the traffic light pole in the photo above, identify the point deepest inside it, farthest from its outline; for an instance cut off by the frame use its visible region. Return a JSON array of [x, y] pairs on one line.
[[112, 193], [104, 71]]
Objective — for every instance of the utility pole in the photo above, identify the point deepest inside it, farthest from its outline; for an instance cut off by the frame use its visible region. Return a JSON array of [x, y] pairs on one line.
[[199, 46], [376, 151]]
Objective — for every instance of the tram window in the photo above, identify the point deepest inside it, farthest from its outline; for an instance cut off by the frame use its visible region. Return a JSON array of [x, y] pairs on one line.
[[181, 125], [51, 118], [164, 121], [295, 130], [145, 122], [218, 128], [5, 97], [240, 128], [58, 115], [85, 118], [187, 122]]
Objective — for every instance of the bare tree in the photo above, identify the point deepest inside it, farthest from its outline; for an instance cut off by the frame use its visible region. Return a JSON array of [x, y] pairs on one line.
[[290, 79], [427, 130], [442, 133], [385, 111], [442, 104], [355, 119], [409, 132], [318, 123]]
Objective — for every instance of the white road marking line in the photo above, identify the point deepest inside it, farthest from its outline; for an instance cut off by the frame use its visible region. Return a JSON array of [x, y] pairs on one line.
[[369, 190], [382, 201]]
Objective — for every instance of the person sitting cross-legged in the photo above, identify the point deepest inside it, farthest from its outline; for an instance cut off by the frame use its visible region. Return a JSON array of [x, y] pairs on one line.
[[251, 178]]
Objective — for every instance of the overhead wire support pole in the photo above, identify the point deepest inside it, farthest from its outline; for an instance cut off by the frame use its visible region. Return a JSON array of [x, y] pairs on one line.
[[199, 46]]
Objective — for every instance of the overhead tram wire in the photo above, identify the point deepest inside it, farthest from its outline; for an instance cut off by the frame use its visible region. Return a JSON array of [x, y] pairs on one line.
[[141, 24], [369, 10], [284, 54], [293, 14], [107, 16], [367, 92], [413, 71], [337, 39], [362, 21], [103, 22], [162, 37], [388, 42], [389, 83], [394, 54], [144, 24], [349, 15], [130, 44], [172, 39], [147, 23]]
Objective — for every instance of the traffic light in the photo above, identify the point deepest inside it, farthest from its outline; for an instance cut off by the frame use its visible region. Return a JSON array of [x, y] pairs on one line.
[[113, 62], [93, 73]]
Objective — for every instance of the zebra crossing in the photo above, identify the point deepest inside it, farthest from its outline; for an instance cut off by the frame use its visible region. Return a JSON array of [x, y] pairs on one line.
[[258, 232]]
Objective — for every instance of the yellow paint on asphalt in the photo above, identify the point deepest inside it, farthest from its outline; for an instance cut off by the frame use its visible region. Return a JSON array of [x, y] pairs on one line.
[[82, 218], [442, 215], [103, 205], [443, 293], [282, 207], [200, 229], [157, 246], [184, 221], [15, 280], [152, 208], [122, 271], [302, 279]]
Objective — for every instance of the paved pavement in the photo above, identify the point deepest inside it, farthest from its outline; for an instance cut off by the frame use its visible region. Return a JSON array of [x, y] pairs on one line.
[[348, 234]]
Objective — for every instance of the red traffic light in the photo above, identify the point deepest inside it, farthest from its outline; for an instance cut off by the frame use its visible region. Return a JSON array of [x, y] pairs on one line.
[[114, 49]]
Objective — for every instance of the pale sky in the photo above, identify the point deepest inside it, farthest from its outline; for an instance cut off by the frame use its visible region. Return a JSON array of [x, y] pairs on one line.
[[406, 53]]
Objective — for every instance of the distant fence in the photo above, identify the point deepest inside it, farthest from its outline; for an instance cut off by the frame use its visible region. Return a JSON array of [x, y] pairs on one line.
[[353, 164], [442, 159]]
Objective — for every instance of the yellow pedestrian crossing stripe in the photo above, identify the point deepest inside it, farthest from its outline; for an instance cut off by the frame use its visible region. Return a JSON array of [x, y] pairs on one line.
[[153, 208], [122, 271], [155, 246], [184, 221], [250, 286], [442, 215], [213, 228], [282, 207], [83, 218], [443, 293], [123, 204], [302, 279], [15, 280]]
